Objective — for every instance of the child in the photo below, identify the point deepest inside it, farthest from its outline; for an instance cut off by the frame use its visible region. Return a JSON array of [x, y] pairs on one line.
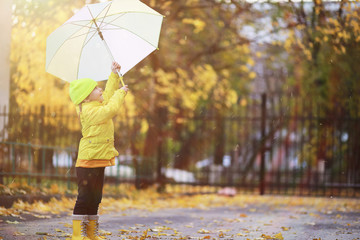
[[96, 149]]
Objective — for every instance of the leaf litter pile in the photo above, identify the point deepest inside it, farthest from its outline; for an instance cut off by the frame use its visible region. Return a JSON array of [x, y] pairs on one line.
[[176, 216]]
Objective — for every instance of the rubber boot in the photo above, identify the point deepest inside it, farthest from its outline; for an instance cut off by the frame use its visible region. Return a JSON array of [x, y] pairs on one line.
[[92, 228], [79, 227]]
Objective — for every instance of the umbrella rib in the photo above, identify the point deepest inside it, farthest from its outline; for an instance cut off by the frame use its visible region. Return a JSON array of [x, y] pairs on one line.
[[107, 10], [83, 25], [89, 39], [123, 13], [81, 34], [130, 32], [64, 43], [96, 25], [82, 47], [133, 12], [107, 23], [120, 15]]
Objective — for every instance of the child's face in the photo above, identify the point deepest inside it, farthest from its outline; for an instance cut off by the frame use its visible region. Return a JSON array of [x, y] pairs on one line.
[[96, 95]]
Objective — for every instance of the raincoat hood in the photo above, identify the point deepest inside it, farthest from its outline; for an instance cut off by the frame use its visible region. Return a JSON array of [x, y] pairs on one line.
[[80, 89]]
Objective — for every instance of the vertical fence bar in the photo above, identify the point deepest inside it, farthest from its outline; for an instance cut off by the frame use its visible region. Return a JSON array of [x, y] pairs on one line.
[[56, 163], [68, 173], [356, 149], [5, 117], [43, 162], [337, 151], [42, 149], [300, 131], [117, 170], [292, 146], [263, 129], [335, 158], [268, 151], [13, 158], [280, 147], [318, 127], [344, 157], [3, 146], [253, 120], [159, 163], [239, 136], [33, 134], [275, 164], [324, 187], [299, 177], [247, 127], [357, 156], [30, 164], [349, 155]]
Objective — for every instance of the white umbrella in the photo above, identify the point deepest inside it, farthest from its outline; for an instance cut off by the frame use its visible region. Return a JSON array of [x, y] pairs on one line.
[[125, 31]]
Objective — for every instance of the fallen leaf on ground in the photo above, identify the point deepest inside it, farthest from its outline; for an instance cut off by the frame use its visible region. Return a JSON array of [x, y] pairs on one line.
[[278, 236], [103, 233], [68, 225], [266, 236], [19, 234], [12, 222], [155, 230], [241, 234], [203, 231]]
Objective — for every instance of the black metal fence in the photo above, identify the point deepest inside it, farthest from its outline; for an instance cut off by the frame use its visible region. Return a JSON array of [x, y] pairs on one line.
[[277, 144]]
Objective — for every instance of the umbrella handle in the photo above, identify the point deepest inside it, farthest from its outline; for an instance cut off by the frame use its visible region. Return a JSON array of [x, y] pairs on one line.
[[121, 79]]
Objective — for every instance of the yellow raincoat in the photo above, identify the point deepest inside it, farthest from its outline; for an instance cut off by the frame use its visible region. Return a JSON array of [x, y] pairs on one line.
[[96, 148]]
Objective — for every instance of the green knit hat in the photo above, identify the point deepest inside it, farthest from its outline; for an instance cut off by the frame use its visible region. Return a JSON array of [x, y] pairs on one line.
[[80, 89]]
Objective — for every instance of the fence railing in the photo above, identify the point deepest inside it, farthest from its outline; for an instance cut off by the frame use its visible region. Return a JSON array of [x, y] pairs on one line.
[[269, 144]]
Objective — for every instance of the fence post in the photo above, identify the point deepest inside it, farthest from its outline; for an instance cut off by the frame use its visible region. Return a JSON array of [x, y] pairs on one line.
[[263, 132], [41, 153], [161, 121], [160, 180], [3, 129]]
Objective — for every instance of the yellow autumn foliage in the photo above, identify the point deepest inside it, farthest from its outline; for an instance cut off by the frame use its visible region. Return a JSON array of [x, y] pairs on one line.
[[35, 87], [198, 24]]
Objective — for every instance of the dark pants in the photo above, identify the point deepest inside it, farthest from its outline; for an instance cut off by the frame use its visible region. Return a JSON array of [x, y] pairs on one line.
[[90, 186]]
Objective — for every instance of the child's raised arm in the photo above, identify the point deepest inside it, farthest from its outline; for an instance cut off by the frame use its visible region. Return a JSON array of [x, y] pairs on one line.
[[113, 82]]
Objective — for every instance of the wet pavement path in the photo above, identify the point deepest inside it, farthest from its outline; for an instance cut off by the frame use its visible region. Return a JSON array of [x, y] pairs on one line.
[[246, 221]]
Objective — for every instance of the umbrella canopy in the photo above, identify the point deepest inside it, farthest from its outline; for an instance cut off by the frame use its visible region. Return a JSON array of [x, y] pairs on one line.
[[125, 31]]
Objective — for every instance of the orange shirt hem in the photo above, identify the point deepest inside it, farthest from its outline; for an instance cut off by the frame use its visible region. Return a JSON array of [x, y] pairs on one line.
[[95, 163]]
